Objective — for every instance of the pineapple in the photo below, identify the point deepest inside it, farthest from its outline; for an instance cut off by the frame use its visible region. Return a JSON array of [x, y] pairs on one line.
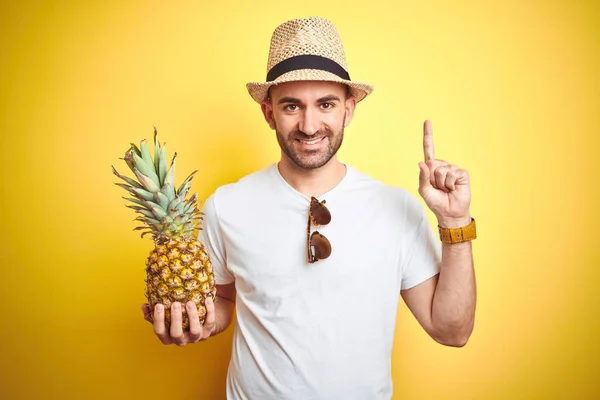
[[178, 268]]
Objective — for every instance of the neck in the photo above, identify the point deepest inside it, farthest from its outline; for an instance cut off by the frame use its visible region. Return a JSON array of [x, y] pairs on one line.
[[312, 182]]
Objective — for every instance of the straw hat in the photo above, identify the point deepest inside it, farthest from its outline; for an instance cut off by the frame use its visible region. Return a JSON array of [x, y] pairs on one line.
[[307, 49]]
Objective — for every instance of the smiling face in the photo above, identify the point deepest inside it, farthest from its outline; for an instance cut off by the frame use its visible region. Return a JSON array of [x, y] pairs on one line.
[[309, 118]]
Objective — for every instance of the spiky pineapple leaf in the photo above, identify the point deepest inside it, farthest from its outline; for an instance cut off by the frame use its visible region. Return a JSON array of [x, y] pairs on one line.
[[170, 178], [162, 165], [136, 201], [148, 183], [135, 149], [126, 178], [183, 191], [147, 170], [157, 210], [142, 194], [192, 199], [146, 155], [168, 191], [136, 207], [156, 154], [187, 208], [147, 220], [187, 229], [186, 183], [161, 199], [176, 212], [128, 158], [174, 204], [126, 187], [161, 206], [145, 213]]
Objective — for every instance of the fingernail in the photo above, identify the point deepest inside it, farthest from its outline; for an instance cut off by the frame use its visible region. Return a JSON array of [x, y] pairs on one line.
[[190, 307], [208, 300], [176, 306], [159, 308]]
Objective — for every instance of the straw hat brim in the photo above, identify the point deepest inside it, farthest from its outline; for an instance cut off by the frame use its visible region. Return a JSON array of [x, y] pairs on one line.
[[259, 90]]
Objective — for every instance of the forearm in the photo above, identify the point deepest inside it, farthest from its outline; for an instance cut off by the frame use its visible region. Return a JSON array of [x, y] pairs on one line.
[[453, 308], [224, 309]]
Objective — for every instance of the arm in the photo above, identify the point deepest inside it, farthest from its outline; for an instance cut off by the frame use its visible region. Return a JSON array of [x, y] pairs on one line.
[[218, 318], [444, 305], [224, 307]]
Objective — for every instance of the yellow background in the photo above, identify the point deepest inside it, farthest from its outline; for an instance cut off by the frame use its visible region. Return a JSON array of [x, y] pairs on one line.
[[512, 89]]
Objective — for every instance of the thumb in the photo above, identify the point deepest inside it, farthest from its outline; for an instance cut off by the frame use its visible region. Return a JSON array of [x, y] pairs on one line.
[[424, 173]]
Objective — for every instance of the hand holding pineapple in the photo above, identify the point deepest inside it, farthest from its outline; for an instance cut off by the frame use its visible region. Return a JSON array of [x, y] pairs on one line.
[[175, 334], [178, 269]]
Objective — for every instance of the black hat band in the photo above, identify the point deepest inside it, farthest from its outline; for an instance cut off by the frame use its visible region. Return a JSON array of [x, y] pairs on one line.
[[307, 62]]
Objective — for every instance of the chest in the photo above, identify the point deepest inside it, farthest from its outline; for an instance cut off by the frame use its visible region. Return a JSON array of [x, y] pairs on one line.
[[267, 253]]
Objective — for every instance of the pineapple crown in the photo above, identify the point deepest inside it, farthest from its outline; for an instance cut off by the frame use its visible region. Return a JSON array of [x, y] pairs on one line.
[[165, 211]]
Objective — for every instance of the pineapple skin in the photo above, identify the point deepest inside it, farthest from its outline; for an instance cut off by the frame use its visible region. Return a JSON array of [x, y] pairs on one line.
[[179, 269]]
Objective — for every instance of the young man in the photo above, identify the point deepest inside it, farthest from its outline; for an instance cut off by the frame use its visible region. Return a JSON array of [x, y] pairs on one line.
[[314, 254]]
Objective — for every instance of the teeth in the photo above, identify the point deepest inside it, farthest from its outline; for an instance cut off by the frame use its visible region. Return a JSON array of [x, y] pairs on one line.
[[311, 141]]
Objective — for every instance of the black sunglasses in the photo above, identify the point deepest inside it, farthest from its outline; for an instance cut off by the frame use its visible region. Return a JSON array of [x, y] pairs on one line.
[[318, 247]]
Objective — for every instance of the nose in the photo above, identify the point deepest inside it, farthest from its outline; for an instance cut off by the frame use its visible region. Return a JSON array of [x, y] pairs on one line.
[[309, 123]]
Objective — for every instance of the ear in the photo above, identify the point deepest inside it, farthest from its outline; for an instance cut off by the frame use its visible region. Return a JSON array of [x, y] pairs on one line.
[[266, 107], [350, 105]]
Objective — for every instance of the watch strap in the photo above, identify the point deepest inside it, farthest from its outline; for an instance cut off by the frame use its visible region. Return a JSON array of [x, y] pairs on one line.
[[458, 235]]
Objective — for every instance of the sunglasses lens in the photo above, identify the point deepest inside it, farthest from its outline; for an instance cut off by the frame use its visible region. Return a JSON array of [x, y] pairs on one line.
[[320, 246], [320, 213]]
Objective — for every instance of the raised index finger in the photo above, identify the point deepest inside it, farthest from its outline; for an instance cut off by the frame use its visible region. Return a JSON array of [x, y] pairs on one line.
[[428, 141]]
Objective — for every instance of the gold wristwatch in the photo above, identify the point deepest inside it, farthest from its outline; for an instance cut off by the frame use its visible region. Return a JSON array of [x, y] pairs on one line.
[[458, 235]]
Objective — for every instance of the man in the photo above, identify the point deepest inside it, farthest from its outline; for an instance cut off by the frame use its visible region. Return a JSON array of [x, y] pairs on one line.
[[314, 254]]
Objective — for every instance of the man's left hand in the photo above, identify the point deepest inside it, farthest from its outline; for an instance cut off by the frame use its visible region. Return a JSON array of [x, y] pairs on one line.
[[443, 186]]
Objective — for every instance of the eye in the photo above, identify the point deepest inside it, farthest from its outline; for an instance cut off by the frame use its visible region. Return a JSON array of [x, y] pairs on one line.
[[290, 107], [327, 106]]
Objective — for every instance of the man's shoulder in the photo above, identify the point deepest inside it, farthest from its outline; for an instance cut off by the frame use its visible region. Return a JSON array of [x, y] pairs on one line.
[[246, 186], [369, 184], [385, 197]]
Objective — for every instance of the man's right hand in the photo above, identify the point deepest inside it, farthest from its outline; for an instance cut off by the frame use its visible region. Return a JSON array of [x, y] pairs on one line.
[[175, 335]]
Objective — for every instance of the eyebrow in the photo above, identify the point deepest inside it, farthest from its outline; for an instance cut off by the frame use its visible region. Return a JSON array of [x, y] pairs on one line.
[[294, 100], [289, 100], [330, 97]]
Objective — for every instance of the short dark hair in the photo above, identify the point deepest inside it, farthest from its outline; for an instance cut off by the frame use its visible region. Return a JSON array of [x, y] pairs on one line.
[[348, 91]]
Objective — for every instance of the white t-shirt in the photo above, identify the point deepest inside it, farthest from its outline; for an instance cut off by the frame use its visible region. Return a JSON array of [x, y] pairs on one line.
[[324, 330]]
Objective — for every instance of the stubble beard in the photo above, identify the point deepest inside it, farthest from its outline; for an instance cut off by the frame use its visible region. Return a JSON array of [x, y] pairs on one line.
[[310, 159]]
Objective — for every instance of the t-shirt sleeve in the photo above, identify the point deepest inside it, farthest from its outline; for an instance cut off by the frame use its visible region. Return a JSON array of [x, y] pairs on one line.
[[211, 236], [422, 253]]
